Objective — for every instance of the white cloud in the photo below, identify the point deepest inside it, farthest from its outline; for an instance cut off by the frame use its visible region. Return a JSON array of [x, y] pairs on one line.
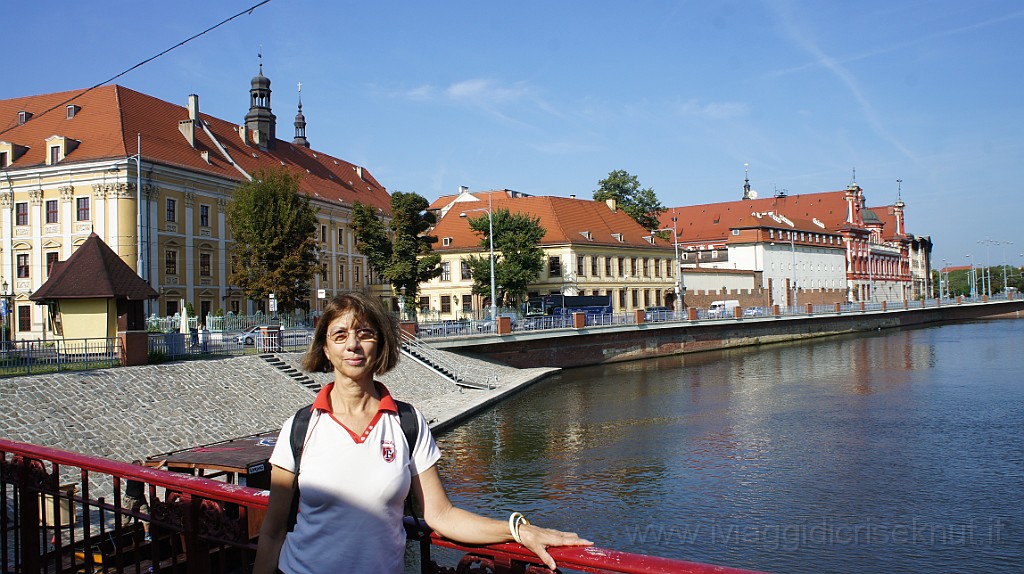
[[713, 110]]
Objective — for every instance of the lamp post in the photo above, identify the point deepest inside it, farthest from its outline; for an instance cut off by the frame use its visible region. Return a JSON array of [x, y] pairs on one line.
[[792, 271], [3, 314], [490, 241], [970, 279], [679, 267]]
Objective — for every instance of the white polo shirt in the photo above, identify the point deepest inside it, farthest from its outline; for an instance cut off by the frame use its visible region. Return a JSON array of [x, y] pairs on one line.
[[353, 488]]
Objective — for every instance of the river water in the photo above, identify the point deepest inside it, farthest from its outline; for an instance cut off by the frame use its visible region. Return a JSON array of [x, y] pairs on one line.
[[896, 451]]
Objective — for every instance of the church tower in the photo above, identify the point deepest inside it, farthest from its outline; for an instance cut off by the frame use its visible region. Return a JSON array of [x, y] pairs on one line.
[[260, 121], [300, 124]]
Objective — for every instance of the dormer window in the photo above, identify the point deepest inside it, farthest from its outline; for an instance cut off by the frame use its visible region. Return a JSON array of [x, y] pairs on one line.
[[3, 159], [587, 235], [23, 117], [72, 110], [58, 148], [617, 237], [54, 155], [446, 241]]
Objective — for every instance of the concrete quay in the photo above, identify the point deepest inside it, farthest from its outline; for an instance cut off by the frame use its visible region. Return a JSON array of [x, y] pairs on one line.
[[133, 412]]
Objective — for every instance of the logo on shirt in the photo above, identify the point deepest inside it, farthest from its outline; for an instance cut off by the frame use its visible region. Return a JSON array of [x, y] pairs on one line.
[[387, 450]]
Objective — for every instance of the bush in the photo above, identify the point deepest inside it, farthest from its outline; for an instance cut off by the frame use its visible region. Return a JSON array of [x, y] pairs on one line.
[[156, 357]]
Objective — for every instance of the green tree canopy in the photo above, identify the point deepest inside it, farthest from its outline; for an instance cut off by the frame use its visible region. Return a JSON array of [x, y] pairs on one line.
[[640, 204], [400, 252], [274, 227], [518, 258]]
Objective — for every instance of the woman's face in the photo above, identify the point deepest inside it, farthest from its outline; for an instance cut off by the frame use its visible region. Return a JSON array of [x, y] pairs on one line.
[[351, 346]]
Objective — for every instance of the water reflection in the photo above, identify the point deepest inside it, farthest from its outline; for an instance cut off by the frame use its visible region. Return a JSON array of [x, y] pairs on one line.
[[844, 455]]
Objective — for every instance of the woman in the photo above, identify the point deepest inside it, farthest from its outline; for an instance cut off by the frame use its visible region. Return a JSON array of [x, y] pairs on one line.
[[356, 467]]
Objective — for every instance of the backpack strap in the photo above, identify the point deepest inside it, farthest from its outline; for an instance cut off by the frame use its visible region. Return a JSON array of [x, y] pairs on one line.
[[300, 424]]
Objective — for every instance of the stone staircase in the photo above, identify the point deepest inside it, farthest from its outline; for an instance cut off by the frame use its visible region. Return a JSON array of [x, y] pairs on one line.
[[447, 365], [291, 372]]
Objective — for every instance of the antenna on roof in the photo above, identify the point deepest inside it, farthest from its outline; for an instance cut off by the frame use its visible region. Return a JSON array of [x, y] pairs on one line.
[[854, 180], [899, 189]]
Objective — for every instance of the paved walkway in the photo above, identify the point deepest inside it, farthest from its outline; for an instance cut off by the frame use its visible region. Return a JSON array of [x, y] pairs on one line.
[[134, 412]]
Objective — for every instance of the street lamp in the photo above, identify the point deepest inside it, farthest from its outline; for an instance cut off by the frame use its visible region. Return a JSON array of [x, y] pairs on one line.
[[971, 279], [490, 233], [679, 267], [3, 312]]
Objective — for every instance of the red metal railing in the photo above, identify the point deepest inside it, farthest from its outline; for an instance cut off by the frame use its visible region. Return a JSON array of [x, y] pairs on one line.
[[51, 523]]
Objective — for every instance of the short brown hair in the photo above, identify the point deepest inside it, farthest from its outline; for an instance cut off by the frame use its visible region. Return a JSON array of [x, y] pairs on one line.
[[369, 311]]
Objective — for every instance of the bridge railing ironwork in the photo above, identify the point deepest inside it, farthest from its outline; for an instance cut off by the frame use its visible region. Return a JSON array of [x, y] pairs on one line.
[[55, 519]]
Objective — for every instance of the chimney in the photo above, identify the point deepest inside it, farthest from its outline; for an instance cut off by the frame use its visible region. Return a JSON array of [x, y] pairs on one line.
[[243, 133], [193, 107], [463, 189], [572, 196], [188, 127], [612, 205]]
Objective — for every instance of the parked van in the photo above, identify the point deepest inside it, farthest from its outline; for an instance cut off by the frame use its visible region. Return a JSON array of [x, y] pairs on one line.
[[723, 308]]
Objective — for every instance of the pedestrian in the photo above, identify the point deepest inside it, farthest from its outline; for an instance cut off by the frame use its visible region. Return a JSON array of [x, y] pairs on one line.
[[134, 499], [356, 468]]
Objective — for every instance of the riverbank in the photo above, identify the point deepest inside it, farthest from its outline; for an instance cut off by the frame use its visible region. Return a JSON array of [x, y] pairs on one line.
[[134, 412]]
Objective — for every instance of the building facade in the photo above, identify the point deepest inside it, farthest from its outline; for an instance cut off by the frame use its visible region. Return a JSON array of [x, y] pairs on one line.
[[827, 246], [154, 181], [590, 248]]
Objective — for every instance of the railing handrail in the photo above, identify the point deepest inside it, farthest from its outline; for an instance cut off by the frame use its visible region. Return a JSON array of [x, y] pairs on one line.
[[586, 559], [176, 481]]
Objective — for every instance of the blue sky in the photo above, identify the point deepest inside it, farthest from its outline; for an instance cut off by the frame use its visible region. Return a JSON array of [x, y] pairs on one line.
[[548, 97]]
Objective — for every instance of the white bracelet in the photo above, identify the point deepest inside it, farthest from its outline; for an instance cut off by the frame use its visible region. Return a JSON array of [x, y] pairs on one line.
[[515, 520]]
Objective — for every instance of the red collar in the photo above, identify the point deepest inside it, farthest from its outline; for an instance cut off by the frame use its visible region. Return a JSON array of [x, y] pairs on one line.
[[323, 399]]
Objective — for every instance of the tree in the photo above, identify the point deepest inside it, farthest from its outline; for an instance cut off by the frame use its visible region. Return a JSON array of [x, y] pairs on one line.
[[274, 227], [400, 252], [640, 204], [518, 258]]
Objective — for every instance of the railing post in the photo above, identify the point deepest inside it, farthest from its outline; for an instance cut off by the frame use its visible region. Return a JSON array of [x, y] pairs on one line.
[[196, 549], [810, 309], [837, 307], [691, 313]]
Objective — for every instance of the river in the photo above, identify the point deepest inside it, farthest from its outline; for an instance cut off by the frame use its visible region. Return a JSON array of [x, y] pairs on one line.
[[896, 451]]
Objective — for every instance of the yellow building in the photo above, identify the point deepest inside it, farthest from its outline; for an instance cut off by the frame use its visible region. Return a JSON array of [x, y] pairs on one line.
[[590, 248], [153, 180]]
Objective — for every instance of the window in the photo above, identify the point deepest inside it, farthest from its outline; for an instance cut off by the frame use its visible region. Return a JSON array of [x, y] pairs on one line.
[[204, 216], [21, 213], [172, 210], [554, 266], [446, 303], [446, 271], [657, 267], [355, 277], [467, 302], [51, 258], [622, 298], [172, 308], [341, 236], [646, 266], [323, 272], [23, 266], [467, 273], [424, 303], [82, 208], [632, 267], [735, 231], [622, 270], [171, 262], [581, 269], [607, 266], [446, 241], [323, 234], [24, 318], [3, 159], [593, 266], [636, 298], [341, 273], [52, 215], [204, 264], [54, 155]]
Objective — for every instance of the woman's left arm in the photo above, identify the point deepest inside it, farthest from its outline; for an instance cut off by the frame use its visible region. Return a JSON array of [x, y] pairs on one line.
[[463, 526]]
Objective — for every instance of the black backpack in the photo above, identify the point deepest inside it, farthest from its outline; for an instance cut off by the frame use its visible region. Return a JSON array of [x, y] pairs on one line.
[[410, 428]]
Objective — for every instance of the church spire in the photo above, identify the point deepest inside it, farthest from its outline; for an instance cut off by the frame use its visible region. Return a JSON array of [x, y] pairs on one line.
[[260, 120], [300, 124]]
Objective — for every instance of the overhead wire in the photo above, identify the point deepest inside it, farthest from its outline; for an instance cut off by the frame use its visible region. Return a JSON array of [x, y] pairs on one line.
[[146, 61]]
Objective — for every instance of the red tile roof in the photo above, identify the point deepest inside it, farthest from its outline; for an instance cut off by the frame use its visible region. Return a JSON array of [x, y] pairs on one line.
[[110, 117], [564, 220], [712, 221], [93, 271]]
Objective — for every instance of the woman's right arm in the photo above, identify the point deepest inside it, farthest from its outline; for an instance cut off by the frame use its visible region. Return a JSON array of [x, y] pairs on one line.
[[275, 522]]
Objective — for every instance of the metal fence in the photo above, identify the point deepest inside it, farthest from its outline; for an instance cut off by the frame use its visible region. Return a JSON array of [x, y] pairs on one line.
[[229, 323], [203, 344], [31, 357]]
